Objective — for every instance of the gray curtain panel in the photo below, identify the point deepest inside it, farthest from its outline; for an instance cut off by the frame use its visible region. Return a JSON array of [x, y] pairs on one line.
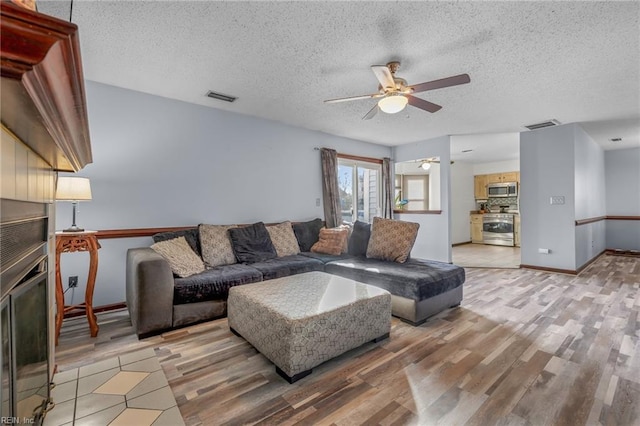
[[387, 194], [330, 191]]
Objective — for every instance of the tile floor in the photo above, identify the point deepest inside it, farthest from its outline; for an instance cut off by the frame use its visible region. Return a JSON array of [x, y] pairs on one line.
[[127, 390], [486, 256]]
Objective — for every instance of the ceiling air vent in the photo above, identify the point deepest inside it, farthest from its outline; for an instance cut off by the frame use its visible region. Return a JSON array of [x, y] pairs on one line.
[[548, 123], [220, 96]]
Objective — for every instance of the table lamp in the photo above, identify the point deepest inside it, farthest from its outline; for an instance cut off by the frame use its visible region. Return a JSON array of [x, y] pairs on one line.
[[74, 189]]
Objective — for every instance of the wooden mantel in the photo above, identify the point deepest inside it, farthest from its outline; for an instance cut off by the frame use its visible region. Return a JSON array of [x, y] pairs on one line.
[[43, 97]]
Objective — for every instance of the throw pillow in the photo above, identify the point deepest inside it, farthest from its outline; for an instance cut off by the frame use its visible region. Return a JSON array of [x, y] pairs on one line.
[[182, 259], [252, 243], [307, 233], [392, 239], [216, 245], [331, 241], [283, 239], [191, 235], [359, 239]]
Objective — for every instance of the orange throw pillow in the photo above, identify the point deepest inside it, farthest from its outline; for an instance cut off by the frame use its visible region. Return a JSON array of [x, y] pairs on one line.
[[332, 241]]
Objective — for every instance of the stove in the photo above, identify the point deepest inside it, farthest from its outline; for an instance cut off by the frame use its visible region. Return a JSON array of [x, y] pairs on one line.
[[497, 229]]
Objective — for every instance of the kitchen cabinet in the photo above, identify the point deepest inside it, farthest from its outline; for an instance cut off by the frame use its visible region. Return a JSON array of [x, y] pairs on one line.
[[480, 187], [503, 177], [516, 230], [476, 228]]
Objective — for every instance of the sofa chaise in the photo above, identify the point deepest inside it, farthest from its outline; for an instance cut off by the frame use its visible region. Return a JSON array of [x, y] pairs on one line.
[[158, 300]]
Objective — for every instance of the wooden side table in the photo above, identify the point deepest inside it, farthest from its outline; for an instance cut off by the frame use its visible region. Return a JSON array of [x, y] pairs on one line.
[[69, 242]]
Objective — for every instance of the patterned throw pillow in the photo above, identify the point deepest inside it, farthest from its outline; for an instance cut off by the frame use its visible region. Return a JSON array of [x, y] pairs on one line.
[[391, 239], [283, 239], [182, 259], [331, 241], [216, 245]]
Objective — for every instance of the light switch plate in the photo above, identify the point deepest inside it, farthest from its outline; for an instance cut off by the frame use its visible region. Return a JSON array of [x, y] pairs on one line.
[[556, 199]]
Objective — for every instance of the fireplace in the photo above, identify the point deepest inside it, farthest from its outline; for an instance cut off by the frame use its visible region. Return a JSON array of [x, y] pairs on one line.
[[44, 129], [24, 353]]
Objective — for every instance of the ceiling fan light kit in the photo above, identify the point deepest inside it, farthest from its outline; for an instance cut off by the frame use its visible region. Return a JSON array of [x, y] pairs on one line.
[[393, 103], [425, 166], [396, 94]]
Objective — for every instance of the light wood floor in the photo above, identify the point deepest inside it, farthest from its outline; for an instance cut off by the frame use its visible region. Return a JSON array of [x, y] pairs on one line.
[[485, 256], [525, 348]]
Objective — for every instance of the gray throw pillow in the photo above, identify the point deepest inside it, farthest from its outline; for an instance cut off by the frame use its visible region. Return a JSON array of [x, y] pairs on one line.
[[252, 243]]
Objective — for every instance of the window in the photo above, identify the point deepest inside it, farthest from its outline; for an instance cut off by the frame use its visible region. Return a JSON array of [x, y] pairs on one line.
[[359, 183]]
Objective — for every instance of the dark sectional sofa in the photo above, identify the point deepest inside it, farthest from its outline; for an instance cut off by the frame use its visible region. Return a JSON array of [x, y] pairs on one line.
[[159, 301]]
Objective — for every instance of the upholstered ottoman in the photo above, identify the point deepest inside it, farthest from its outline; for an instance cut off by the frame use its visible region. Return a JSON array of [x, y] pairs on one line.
[[300, 321]]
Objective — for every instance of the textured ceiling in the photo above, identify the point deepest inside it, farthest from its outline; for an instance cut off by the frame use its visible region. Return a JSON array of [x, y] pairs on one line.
[[528, 61]]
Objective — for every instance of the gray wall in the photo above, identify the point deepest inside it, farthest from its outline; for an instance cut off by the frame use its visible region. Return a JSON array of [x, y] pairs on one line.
[[434, 236], [462, 201], [561, 161], [160, 162], [547, 169], [622, 180], [590, 196]]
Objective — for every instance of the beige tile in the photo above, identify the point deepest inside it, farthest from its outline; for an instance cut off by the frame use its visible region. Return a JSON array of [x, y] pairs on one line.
[[93, 402], [65, 376], [137, 356], [149, 365], [161, 399], [101, 418], [154, 381], [122, 383], [91, 383], [60, 414], [64, 391], [137, 417], [170, 417], [98, 367]]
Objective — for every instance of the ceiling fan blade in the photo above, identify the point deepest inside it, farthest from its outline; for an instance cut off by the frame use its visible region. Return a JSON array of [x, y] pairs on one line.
[[373, 111], [439, 84], [384, 76], [422, 104], [353, 98]]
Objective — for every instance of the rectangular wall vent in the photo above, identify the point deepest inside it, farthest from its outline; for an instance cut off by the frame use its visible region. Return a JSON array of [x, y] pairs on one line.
[[220, 96], [548, 123]]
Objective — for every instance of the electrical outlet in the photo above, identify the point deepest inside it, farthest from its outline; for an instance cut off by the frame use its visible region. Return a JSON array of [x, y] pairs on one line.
[[556, 200], [73, 281]]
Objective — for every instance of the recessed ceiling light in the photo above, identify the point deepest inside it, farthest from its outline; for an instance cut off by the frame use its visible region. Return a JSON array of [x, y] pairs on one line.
[[467, 150], [615, 139]]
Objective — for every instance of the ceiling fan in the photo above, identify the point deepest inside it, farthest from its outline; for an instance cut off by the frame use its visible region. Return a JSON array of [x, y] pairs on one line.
[[426, 163], [395, 94]]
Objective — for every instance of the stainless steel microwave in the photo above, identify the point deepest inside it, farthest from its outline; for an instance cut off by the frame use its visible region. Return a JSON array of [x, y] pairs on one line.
[[502, 190]]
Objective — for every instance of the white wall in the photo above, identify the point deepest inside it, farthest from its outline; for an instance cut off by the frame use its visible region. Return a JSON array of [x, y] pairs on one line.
[[589, 196], [433, 241], [160, 162], [462, 201], [496, 167], [547, 169], [622, 182]]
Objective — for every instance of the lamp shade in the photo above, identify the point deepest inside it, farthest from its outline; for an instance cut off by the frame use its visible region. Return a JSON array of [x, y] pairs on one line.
[[73, 188], [393, 103]]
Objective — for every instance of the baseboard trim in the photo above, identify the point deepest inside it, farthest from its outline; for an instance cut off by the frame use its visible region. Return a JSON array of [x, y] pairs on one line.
[[546, 269], [593, 259], [564, 271], [460, 244], [620, 252], [97, 310]]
